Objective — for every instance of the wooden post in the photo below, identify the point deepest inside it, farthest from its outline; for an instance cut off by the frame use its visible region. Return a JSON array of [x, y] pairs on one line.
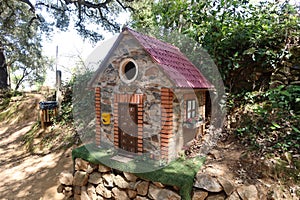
[[58, 88], [42, 114]]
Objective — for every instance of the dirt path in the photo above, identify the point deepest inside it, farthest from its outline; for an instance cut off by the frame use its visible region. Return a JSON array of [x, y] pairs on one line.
[[24, 175]]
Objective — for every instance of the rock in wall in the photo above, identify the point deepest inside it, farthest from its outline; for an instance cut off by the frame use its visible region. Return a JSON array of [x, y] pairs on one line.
[[96, 182]]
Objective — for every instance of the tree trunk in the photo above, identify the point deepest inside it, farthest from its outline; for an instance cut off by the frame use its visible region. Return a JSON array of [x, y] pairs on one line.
[[3, 71]]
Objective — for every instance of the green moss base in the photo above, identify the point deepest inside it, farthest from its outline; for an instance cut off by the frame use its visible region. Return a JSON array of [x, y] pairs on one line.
[[180, 172]]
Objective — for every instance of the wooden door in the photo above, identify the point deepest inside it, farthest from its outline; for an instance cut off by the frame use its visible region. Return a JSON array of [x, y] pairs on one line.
[[127, 120]]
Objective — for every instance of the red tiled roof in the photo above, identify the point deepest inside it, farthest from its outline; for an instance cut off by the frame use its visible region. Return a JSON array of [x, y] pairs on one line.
[[174, 63]]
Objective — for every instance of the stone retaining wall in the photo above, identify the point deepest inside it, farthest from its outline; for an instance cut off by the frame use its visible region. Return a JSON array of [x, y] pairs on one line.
[[96, 182]]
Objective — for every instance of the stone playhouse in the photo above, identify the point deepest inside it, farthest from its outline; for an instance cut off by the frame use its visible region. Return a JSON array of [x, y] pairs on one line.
[[150, 101], [150, 98]]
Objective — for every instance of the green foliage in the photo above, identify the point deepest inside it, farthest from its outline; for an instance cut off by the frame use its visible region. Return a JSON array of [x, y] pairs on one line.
[[66, 113], [4, 100], [271, 122], [21, 40], [251, 45], [247, 42], [285, 170], [83, 101], [77, 107]]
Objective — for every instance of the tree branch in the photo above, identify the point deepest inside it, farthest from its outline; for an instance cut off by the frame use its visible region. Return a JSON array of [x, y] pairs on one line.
[[19, 81], [49, 6], [125, 7], [32, 8], [101, 12]]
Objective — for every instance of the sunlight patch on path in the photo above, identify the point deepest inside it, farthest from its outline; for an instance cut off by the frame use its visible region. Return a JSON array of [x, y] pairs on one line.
[[15, 135], [32, 165], [3, 130]]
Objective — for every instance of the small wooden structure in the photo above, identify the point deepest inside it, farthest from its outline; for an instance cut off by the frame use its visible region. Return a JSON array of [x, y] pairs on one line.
[[149, 98], [48, 110]]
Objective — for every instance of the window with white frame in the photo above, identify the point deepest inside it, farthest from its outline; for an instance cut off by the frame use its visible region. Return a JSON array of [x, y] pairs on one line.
[[191, 108]]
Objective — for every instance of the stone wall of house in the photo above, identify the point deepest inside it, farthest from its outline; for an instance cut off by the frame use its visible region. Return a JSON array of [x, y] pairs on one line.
[[96, 182], [149, 81], [152, 122]]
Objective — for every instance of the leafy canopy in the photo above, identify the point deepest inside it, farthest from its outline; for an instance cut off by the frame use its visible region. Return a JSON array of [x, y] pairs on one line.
[[247, 42], [23, 25], [21, 41], [87, 16], [257, 51]]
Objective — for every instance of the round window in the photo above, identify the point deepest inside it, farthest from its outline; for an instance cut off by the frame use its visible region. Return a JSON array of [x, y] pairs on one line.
[[128, 70]]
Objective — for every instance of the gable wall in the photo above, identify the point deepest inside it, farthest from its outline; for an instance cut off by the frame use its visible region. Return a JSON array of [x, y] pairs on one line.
[[149, 82]]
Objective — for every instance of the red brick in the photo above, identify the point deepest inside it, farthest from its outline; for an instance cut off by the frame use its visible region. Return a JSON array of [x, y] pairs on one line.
[[167, 128], [164, 144], [168, 110], [167, 131], [98, 106], [167, 123], [165, 114], [140, 145], [167, 107], [164, 140], [166, 98], [167, 119], [166, 102], [165, 89], [166, 136], [98, 109]]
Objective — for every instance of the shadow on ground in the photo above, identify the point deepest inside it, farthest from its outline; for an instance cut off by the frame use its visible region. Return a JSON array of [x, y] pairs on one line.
[[25, 175]]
